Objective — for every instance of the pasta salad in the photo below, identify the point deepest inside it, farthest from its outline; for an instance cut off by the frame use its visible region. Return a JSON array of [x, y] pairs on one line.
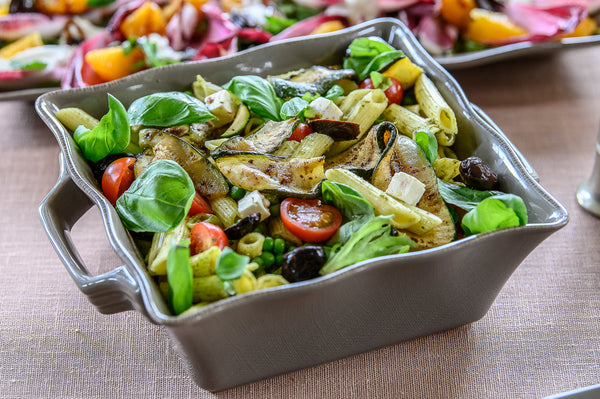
[[266, 181]]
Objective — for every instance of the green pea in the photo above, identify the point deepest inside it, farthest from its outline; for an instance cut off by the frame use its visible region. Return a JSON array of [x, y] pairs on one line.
[[259, 261], [279, 259], [274, 209], [279, 246], [268, 258], [268, 244], [237, 193]]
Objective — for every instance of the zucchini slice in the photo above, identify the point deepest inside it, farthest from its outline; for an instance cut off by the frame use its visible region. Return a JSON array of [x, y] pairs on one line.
[[313, 80], [266, 139], [363, 157], [207, 179], [272, 174], [239, 122]]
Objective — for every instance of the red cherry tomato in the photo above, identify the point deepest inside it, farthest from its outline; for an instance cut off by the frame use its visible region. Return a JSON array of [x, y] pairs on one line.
[[199, 205], [310, 219], [301, 131], [205, 235], [393, 93], [117, 178]]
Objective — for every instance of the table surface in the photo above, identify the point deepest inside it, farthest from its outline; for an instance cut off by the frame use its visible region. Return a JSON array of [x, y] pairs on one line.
[[540, 337]]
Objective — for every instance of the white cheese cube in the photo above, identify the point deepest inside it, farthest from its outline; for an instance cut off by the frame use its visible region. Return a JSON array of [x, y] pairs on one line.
[[406, 188], [254, 202], [223, 105], [325, 109]]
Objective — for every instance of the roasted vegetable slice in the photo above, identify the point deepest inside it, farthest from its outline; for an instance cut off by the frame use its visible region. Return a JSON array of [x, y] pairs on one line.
[[272, 174], [363, 157], [207, 179], [406, 156], [337, 130], [266, 139], [314, 80]]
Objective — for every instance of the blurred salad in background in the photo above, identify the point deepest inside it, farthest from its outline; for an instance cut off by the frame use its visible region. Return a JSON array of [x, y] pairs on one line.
[[77, 43]]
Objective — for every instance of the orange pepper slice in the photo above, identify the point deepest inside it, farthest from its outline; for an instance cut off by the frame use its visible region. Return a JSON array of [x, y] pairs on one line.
[[145, 20], [491, 27], [112, 63]]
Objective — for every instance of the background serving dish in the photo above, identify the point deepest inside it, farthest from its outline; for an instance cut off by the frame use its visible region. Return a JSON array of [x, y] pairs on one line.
[[365, 306]]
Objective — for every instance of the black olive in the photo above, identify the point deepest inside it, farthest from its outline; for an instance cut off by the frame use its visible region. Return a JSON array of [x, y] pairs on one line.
[[478, 175], [17, 6], [243, 227], [99, 167], [303, 263]]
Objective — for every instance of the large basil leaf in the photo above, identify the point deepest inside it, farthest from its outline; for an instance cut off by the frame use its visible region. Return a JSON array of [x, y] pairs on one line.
[[368, 55], [168, 109], [463, 197], [493, 213], [293, 107], [180, 276], [158, 199], [111, 136], [258, 94]]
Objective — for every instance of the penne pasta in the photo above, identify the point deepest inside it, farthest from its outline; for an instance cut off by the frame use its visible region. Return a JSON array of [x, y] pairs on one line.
[[74, 117], [251, 245], [226, 209], [446, 168], [313, 145], [434, 106], [203, 264], [408, 122], [208, 289]]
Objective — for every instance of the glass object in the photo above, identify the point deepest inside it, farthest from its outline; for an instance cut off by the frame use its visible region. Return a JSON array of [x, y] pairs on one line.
[[588, 192]]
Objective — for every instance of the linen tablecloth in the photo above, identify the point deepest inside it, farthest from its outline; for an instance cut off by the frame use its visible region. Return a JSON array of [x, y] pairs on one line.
[[540, 337]]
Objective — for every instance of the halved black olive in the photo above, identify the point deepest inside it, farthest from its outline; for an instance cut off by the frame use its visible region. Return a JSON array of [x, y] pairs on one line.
[[478, 175], [303, 263], [243, 227]]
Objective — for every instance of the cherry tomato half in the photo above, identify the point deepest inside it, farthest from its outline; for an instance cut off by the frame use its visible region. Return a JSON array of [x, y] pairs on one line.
[[205, 235], [310, 219], [393, 93], [117, 178], [300, 132], [199, 205]]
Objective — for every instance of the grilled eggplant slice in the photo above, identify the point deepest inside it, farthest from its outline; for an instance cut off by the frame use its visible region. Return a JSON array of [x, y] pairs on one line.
[[337, 130], [363, 157], [313, 80], [406, 156], [208, 180], [299, 177]]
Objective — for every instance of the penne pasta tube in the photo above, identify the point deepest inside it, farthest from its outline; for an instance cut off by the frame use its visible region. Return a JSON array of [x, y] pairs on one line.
[[208, 289], [73, 117], [313, 145], [251, 245], [446, 168], [269, 281], [434, 106], [287, 148], [159, 249], [408, 122], [203, 264], [226, 209]]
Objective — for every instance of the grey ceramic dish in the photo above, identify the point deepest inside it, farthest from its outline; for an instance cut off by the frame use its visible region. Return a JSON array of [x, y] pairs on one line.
[[366, 306]]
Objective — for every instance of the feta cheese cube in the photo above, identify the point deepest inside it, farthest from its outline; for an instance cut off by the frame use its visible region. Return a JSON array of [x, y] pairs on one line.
[[406, 188], [325, 109], [223, 105], [254, 202]]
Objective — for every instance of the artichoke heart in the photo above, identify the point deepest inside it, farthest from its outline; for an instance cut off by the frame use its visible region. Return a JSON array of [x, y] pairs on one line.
[[406, 156], [272, 174]]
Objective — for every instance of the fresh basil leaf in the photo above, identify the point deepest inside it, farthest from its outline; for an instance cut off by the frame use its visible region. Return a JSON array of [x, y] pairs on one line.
[[158, 199], [230, 265], [168, 109], [380, 81], [180, 276], [347, 200], [373, 239], [111, 136], [495, 213], [335, 92], [428, 143], [310, 97], [258, 94], [293, 107], [99, 3], [28, 66], [367, 55], [152, 59], [463, 197]]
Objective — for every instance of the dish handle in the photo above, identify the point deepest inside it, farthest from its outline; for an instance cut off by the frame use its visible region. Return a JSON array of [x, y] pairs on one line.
[[112, 292]]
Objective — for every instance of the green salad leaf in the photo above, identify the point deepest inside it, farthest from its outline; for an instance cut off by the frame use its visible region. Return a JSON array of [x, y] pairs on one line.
[[428, 143], [158, 199], [111, 136], [373, 239], [258, 94], [230, 265], [293, 107], [493, 213], [168, 109], [335, 92], [463, 197], [275, 25], [367, 55], [180, 276]]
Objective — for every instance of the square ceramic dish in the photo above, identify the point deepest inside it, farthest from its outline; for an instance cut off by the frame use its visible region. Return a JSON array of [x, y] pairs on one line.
[[372, 304]]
